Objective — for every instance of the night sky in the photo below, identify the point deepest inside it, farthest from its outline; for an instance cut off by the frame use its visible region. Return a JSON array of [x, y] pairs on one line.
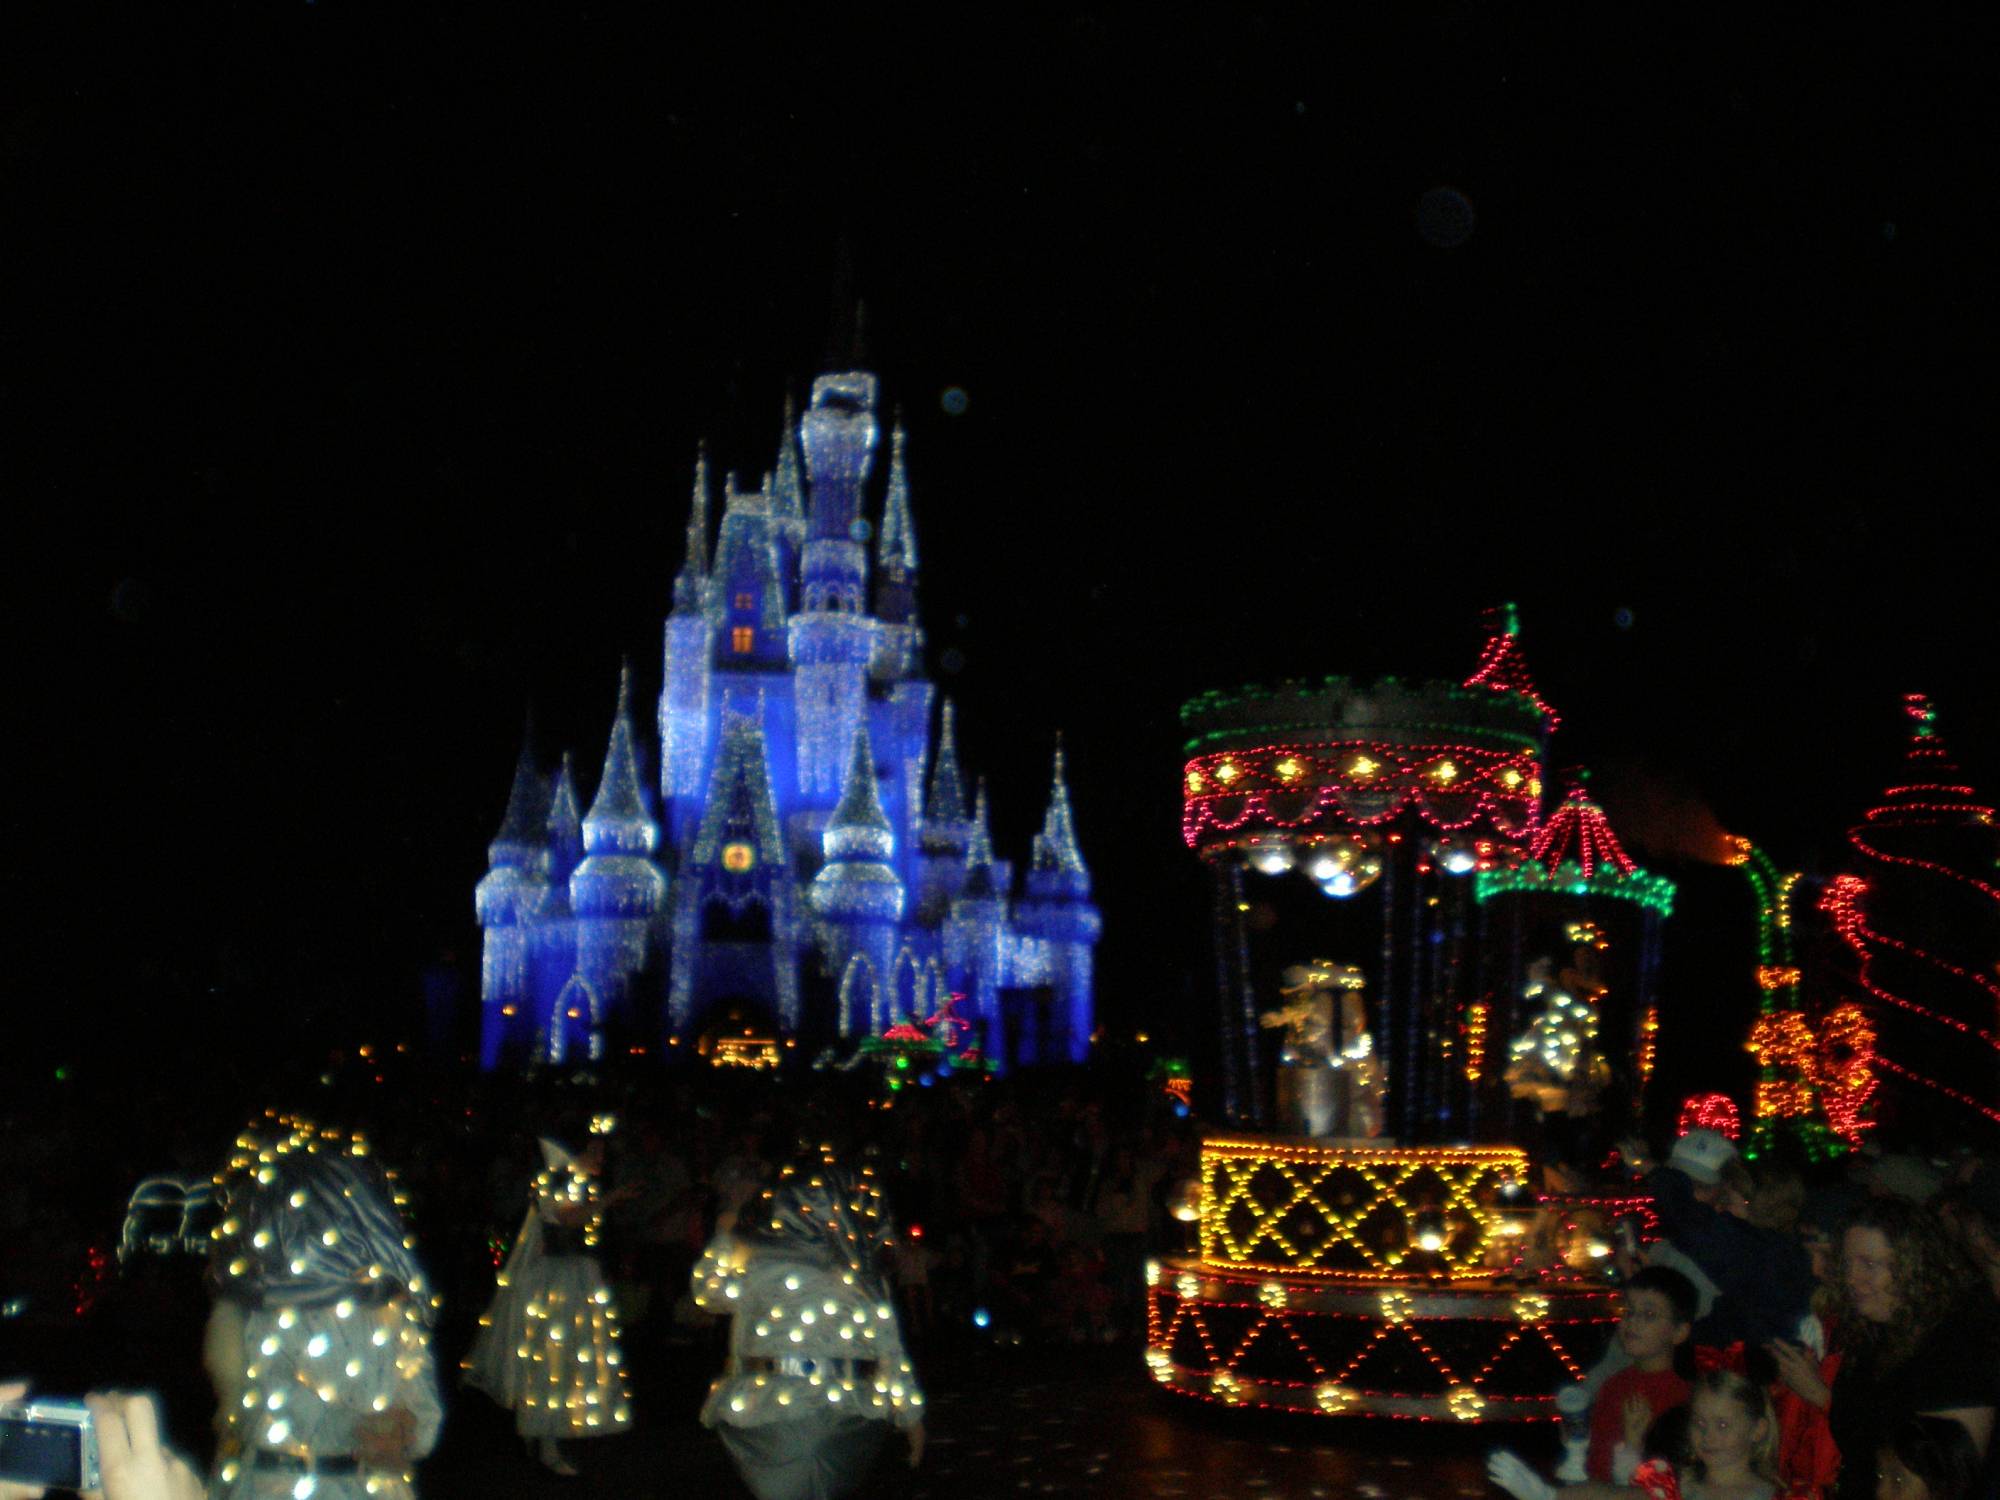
[[354, 361]]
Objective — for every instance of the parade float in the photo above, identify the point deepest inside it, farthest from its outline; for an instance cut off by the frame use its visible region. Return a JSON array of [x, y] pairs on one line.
[[1375, 1237]]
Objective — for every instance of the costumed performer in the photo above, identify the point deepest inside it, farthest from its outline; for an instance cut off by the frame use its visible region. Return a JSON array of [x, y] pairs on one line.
[[548, 1345], [319, 1343], [817, 1373], [1330, 1081]]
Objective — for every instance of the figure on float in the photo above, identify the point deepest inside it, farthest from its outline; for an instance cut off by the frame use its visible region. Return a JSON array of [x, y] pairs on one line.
[[1331, 1083]]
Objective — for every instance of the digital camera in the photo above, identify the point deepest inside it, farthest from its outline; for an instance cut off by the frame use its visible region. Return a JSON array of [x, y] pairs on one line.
[[50, 1443]]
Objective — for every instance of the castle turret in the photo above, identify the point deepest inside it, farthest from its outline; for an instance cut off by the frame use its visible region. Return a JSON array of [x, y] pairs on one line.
[[899, 644], [1056, 907], [684, 691], [552, 939], [975, 933], [788, 504], [509, 899], [617, 891], [832, 639], [857, 894], [944, 832]]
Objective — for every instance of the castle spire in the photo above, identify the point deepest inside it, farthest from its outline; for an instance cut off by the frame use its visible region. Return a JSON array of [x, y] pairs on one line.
[[521, 828], [979, 880], [859, 829], [787, 494], [946, 803], [897, 546], [1058, 837], [688, 583], [856, 884], [564, 828], [618, 818]]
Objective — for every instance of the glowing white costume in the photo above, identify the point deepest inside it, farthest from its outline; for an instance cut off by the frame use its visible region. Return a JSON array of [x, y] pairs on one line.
[[548, 1345], [817, 1372]]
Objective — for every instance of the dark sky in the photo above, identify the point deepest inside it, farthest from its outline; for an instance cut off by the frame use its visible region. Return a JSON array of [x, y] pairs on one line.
[[355, 360]]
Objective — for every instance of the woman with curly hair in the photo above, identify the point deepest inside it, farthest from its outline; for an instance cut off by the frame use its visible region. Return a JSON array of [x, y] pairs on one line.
[[1919, 1335]]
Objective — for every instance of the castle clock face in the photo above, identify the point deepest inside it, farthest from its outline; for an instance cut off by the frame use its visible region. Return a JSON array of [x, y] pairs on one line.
[[736, 858]]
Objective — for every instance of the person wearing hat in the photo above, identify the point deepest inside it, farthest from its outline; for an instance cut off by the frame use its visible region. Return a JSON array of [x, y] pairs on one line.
[[1762, 1277], [548, 1345]]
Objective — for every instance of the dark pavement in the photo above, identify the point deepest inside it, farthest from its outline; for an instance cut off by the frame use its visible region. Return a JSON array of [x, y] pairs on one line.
[[1003, 1423]]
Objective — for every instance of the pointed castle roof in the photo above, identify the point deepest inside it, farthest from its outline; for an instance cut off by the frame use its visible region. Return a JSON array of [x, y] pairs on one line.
[[858, 828], [787, 490], [520, 839], [690, 581], [855, 884], [564, 833], [618, 822], [515, 889], [1502, 665], [1057, 840], [945, 806], [980, 882], [897, 545]]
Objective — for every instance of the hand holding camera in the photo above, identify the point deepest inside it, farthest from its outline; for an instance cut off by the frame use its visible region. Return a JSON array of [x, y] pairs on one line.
[[108, 1447]]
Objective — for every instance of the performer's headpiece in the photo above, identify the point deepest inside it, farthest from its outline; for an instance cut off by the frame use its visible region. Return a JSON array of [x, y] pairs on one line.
[[311, 1221], [823, 1210]]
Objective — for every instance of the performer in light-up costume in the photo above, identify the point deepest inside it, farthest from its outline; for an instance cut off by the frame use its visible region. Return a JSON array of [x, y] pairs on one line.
[[548, 1346], [319, 1343], [817, 1373]]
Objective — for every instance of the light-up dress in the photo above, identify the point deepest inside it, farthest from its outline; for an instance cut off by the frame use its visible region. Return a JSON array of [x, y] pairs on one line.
[[817, 1373], [328, 1317], [548, 1346]]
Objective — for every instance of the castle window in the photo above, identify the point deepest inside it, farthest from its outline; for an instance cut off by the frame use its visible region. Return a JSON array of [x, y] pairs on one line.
[[743, 640], [746, 601]]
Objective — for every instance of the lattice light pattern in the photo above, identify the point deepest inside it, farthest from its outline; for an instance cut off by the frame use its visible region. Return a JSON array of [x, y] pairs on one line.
[[1451, 1354], [1414, 1213]]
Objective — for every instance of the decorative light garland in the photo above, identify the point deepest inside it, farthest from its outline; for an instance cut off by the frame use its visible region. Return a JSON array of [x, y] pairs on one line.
[[1359, 783]]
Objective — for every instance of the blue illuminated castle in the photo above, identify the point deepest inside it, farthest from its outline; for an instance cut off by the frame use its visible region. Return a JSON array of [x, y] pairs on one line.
[[808, 864]]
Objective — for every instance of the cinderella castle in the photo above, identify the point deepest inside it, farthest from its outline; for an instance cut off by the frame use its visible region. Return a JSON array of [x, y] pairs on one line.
[[808, 864]]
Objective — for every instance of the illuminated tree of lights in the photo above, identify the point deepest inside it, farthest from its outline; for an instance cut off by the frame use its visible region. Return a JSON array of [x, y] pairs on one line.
[[1926, 850]]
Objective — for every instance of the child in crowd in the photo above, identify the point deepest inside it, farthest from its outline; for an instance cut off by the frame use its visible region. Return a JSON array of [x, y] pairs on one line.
[[1659, 1316], [1928, 1458], [1729, 1446], [1734, 1439]]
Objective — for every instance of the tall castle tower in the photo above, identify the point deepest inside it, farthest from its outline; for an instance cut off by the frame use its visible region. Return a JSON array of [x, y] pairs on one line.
[[805, 857]]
